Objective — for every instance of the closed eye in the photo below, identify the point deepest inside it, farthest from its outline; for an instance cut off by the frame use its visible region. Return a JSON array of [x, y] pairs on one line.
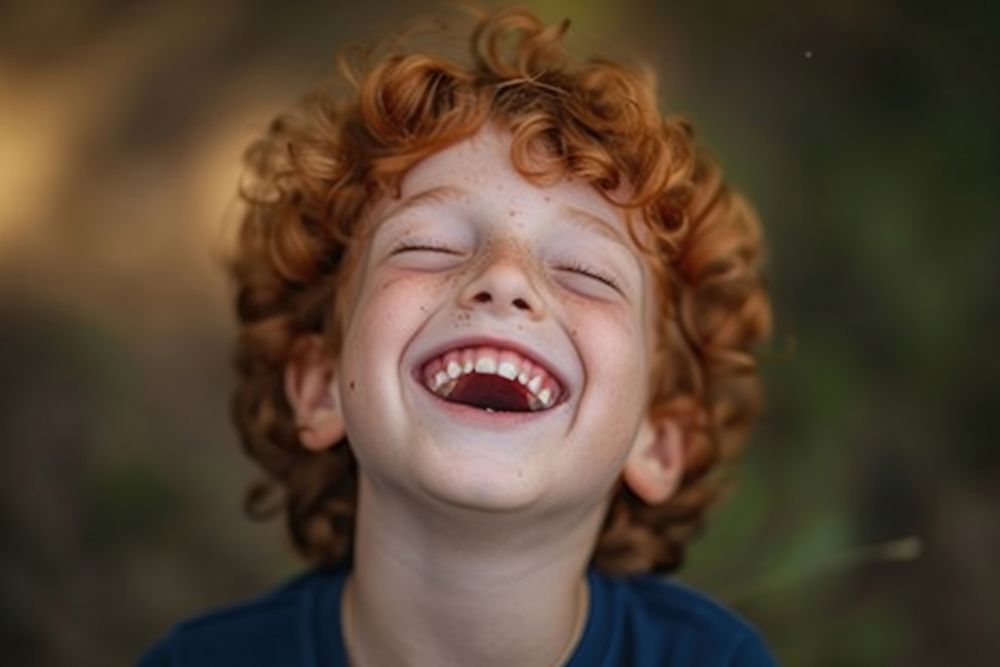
[[407, 246], [578, 267]]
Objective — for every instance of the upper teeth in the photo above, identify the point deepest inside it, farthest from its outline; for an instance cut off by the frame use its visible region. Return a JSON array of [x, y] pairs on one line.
[[441, 374], [507, 369]]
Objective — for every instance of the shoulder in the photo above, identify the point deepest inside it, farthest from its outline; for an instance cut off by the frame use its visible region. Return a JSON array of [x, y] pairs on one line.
[[685, 608], [655, 621], [266, 630]]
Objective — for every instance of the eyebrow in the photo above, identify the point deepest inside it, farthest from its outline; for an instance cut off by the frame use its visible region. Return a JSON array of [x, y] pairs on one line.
[[587, 220], [435, 195], [583, 219]]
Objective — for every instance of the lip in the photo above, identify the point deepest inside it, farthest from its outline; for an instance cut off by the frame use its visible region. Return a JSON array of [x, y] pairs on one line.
[[525, 351]]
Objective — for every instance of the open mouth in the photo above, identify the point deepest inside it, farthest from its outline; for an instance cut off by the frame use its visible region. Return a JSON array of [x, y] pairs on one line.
[[492, 380]]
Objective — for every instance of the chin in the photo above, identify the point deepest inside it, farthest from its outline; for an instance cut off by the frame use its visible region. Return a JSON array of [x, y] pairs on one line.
[[471, 481]]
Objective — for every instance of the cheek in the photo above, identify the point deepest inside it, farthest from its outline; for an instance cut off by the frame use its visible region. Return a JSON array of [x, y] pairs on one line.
[[392, 305], [391, 308], [614, 351], [612, 341]]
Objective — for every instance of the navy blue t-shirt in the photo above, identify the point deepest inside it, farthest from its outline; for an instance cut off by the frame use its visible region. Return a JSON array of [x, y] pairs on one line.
[[640, 621]]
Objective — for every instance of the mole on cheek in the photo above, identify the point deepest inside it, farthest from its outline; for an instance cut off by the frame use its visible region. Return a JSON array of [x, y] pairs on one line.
[[352, 385]]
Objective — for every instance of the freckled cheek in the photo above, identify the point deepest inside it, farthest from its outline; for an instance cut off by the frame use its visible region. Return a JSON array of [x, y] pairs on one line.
[[381, 326], [393, 302], [613, 353]]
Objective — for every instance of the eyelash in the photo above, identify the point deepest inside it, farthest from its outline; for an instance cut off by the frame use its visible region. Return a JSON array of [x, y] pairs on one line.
[[408, 245], [572, 265], [579, 267]]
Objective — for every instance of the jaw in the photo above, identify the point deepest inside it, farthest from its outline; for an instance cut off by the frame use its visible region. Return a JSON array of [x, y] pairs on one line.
[[420, 449]]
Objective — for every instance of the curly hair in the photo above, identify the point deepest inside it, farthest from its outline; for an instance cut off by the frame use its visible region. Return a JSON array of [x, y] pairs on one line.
[[314, 174]]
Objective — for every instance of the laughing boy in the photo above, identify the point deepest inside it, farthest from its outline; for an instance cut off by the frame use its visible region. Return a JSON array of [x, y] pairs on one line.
[[497, 330]]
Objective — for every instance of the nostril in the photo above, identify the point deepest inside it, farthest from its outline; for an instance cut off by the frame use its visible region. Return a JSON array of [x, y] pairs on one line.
[[483, 297], [522, 304]]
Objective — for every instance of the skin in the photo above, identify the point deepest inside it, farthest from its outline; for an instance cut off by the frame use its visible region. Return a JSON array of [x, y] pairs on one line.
[[472, 542]]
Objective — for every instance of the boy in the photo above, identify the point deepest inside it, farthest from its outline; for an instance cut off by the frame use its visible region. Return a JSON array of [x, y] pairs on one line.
[[496, 333]]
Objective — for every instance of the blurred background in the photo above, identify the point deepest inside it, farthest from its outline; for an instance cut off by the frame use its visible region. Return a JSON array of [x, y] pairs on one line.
[[863, 528]]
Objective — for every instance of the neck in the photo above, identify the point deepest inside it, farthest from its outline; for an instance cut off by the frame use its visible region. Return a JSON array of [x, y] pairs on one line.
[[459, 587]]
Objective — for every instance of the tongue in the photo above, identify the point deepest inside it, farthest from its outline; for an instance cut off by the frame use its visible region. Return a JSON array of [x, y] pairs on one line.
[[490, 391]]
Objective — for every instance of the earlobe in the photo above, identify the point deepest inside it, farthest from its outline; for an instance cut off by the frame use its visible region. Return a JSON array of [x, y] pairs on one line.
[[655, 465], [312, 392]]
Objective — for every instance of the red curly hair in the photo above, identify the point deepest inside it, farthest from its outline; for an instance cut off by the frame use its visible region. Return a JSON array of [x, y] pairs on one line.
[[316, 172]]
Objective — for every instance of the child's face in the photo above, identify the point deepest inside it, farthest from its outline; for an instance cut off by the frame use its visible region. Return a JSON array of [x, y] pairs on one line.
[[504, 266]]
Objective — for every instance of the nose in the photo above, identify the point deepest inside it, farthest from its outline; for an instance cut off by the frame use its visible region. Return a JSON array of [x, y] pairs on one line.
[[503, 287]]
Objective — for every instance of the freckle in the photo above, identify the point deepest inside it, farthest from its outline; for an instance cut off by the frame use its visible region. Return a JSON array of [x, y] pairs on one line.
[[513, 213]]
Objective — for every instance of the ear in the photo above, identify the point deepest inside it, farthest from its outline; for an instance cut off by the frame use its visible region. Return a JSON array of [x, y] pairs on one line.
[[655, 464], [313, 393]]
